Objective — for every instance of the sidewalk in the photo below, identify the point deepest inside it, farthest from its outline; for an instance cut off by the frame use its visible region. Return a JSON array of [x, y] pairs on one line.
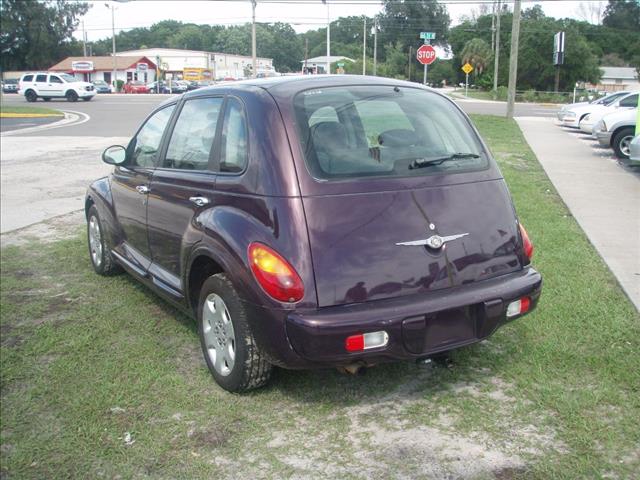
[[602, 197]]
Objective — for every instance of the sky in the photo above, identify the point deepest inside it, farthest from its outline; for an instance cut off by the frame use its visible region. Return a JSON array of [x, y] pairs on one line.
[[306, 15]]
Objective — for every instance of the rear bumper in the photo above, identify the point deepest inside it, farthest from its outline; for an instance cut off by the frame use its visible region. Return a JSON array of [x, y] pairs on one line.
[[417, 326]]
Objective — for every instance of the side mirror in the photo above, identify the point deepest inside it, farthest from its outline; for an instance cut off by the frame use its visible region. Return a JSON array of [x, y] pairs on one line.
[[114, 155]]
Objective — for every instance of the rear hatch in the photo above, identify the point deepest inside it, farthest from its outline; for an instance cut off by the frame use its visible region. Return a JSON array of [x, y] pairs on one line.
[[382, 179], [354, 240]]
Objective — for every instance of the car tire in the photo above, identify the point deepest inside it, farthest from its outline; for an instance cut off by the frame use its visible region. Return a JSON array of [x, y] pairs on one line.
[[99, 254], [621, 142], [31, 96], [229, 349], [46, 99], [71, 96]]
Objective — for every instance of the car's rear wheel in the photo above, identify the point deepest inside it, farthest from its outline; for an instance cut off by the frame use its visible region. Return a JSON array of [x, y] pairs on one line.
[[621, 143], [31, 96], [101, 258], [230, 351], [71, 96]]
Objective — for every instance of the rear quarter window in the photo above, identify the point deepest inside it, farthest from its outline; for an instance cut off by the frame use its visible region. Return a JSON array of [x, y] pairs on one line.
[[360, 131], [27, 78]]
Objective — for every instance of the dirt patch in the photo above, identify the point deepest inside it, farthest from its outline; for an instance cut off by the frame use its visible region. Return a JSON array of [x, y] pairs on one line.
[[214, 436], [57, 228], [407, 433]]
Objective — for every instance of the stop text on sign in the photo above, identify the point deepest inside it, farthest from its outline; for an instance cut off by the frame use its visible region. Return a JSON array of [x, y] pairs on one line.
[[426, 54]]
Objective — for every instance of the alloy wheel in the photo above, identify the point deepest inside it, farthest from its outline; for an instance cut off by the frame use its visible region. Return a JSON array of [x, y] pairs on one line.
[[95, 241], [219, 335]]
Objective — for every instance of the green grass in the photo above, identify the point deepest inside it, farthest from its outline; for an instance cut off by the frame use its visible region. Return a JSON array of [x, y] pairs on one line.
[[30, 110], [85, 359]]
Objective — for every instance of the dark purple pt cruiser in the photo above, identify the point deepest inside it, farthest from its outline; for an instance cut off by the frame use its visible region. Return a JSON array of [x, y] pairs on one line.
[[315, 221]]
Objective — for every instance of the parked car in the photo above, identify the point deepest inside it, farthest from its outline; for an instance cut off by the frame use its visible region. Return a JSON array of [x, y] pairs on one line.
[[634, 151], [179, 86], [315, 221], [101, 86], [599, 101], [616, 130], [135, 87], [166, 87], [628, 101], [574, 116], [10, 85], [47, 85]]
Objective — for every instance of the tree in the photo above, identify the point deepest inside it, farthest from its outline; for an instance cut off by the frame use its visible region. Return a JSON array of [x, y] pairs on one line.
[[622, 14], [402, 22], [34, 35], [478, 53]]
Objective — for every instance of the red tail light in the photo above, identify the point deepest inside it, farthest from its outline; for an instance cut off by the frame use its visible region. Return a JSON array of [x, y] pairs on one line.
[[274, 274], [526, 243]]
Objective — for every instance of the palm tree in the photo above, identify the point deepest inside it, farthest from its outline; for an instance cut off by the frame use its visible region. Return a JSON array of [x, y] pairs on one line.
[[478, 53]]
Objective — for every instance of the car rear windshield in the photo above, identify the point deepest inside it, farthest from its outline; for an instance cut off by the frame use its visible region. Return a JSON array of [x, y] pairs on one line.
[[360, 131]]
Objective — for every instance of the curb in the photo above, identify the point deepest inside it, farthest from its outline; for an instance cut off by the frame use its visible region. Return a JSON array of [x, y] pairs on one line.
[[30, 115], [71, 118]]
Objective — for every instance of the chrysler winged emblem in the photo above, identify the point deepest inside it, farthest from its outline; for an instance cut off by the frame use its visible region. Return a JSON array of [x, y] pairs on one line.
[[434, 241]]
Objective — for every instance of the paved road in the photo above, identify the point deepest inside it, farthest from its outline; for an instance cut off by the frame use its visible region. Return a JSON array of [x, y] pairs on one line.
[[8, 124], [110, 115], [120, 115], [602, 196]]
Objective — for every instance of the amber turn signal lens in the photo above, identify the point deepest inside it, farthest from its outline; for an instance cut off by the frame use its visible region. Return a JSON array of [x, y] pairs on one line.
[[274, 274], [526, 243]]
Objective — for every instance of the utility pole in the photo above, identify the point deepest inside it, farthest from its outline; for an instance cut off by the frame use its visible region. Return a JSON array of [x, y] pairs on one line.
[[253, 38], [326, 2], [306, 55], [113, 47], [84, 41], [410, 60], [364, 48], [493, 28], [375, 45], [513, 59], [496, 60]]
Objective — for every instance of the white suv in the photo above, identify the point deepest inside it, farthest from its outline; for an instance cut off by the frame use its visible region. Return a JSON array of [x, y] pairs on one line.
[[54, 85]]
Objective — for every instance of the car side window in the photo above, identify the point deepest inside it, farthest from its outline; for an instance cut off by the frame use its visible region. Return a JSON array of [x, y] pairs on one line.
[[28, 78], [54, 79], [192, 137], [630, 101], [146, 144], [41, 78], [233, 149]]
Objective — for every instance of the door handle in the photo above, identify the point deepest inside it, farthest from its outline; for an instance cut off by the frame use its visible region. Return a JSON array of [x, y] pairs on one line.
[[199, 201], [142, 189]]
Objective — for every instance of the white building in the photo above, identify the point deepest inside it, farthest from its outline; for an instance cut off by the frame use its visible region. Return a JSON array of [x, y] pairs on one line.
[[127, 68], [617, 78], [319, 64], [218, 66]]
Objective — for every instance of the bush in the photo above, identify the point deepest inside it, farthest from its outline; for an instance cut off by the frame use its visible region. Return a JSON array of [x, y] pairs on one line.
[[500, 93], [530, 96], [119, 85]]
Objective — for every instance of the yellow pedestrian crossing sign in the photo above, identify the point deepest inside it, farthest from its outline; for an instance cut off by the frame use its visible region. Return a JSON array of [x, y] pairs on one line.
[[467, 68]]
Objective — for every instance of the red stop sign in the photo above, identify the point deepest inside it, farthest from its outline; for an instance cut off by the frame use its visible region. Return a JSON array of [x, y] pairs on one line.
[[426, 54]]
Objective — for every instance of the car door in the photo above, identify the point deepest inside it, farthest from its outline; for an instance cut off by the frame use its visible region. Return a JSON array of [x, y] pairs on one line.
[[55, 86], [181, 189], [130, 188], [40, 82]]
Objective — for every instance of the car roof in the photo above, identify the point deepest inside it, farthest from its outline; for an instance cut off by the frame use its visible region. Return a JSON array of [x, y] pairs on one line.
[[293, 84]]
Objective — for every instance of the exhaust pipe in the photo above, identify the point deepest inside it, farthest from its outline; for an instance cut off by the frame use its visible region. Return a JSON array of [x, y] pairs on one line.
[[353, 369]]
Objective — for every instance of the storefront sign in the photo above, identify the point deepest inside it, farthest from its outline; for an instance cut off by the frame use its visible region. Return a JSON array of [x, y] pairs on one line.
[[82, 66]]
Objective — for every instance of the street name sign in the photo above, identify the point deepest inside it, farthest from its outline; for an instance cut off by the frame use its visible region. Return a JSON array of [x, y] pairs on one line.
[[427, 35]]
